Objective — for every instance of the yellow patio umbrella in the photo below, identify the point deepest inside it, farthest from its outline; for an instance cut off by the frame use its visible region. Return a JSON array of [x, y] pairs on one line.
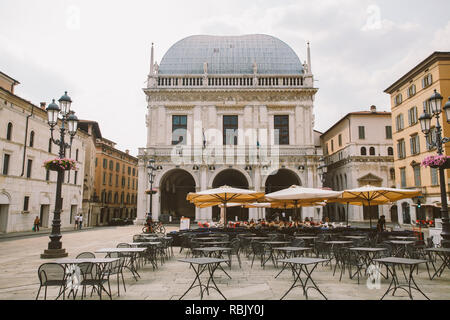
[[370, 195], [223, 195]]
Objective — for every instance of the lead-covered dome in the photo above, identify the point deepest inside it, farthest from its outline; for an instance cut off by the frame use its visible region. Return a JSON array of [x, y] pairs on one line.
[[230, 55]]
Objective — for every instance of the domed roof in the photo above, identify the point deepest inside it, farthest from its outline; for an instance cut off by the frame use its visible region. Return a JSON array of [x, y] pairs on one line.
[[230, 55]]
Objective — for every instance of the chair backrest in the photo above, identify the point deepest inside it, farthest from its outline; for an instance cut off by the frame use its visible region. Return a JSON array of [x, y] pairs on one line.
[[235, 245], [137, 238], [430, 243], [84, 255], [257, 247], [51, 271], [86, 269], [298, 243], [123, 245]]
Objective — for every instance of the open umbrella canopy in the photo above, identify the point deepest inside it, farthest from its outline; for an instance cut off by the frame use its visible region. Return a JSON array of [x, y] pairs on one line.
[[224, 194], [300, 194], [369, 195]]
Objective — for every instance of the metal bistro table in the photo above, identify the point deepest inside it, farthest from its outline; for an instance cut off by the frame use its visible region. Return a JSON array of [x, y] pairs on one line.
[[131, 265], [400, 247], [290, 252], [152, 255], [367, 255], [215, 252], [272, 245], [214, 243], [101, 262], [390, 263], [299, 266], [444, 254], [199, 265]]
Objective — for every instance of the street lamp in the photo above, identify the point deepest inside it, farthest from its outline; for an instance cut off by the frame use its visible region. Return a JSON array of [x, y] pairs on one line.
[[68, 119], [435, 102], [151, 177], [322, 170]]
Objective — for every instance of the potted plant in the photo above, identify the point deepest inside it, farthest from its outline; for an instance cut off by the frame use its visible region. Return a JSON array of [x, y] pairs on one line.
[[438, 161], [60, 164]]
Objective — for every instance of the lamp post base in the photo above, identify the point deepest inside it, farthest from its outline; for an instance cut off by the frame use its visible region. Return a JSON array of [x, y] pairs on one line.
[[54, 253]]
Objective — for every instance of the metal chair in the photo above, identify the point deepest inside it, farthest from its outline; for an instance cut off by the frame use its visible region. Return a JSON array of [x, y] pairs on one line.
[[235, 248], [116, 268], [85, 255], [95, 277], [52, 275]]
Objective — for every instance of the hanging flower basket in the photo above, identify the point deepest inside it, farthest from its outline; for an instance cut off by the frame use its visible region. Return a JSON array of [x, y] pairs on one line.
[[436, 162], [60, 164]]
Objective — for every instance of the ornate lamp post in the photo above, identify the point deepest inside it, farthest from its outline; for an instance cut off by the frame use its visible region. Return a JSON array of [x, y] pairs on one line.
[[322, 170], [68, 119], [151, 177], [438, 141]]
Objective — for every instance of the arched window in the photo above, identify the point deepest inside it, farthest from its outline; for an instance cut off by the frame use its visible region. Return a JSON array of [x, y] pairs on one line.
[[116, 197], [9, 131], [345, 181], [122, 197], [372, 151], [128, 198], [363, 151], [109, 197], [342, 182], [392, 173], [390, 151], [31, 138]]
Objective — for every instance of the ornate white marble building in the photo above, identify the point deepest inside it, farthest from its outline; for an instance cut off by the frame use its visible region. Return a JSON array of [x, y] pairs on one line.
[[234, 110]]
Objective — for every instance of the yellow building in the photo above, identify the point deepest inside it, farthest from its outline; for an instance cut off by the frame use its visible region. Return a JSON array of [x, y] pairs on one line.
[[409, 96], [116, 183]]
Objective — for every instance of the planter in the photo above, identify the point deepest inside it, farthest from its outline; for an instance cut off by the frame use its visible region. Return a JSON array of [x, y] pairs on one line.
[[445, 165], [54, 167], [60, 165]]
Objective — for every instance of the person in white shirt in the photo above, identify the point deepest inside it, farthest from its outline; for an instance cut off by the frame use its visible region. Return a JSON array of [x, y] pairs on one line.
[[80, 221]]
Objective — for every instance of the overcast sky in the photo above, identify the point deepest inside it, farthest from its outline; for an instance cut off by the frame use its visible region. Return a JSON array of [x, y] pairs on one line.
[[99, 51]]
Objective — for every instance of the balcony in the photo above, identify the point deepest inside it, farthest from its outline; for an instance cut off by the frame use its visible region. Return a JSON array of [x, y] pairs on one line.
[[228, 154], [228, 81]]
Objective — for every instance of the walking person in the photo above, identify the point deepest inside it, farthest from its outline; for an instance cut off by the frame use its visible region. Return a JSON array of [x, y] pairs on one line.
[[36, 223], [381, 225], [80, 221], [76, 221]]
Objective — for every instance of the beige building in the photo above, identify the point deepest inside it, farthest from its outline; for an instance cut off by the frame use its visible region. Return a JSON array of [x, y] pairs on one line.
[[228, 110], [358, 151], [27, 190], [409, 96]]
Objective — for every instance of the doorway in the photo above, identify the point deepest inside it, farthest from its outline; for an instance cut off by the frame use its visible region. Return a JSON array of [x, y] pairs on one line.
[[4, 208], [44, 215]]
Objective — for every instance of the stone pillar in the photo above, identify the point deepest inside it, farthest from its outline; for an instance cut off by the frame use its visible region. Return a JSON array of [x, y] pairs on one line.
[[156, 205], [142, 197]]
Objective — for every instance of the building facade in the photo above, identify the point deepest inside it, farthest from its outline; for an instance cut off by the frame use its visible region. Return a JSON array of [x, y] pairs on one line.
[[28, 190], [91, 203], [227, 110], [409, 96], [358, 151], [115, 183]]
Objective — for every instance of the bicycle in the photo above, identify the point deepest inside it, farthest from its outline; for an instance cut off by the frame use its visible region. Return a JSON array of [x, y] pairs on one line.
[[155, 227]]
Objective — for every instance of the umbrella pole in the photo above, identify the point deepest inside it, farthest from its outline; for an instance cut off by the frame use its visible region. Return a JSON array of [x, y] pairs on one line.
[[370, 216], [347, 214]]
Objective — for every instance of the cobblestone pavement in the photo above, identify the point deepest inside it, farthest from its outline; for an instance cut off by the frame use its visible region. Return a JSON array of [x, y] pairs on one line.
[[19, 260]]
